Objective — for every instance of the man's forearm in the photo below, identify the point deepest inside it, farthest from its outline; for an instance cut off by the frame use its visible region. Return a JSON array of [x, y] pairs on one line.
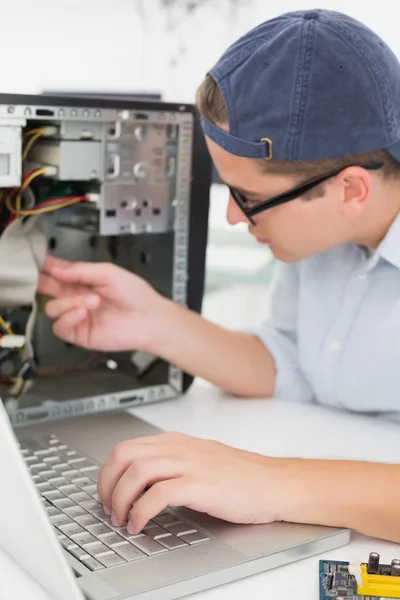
[[358, 495], [236, 362]]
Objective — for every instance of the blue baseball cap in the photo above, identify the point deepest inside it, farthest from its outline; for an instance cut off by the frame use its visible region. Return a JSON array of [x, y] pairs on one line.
[[308, 85]]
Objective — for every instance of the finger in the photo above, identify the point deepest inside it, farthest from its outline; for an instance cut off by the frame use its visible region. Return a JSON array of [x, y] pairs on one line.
[[51, 287], [81, 273], [120, 459], [65, 326], [173, 492], [52, 261], [56, 308], [141, 473]]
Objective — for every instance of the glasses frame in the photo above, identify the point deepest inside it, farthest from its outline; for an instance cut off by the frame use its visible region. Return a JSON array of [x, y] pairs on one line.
[[291, 194]]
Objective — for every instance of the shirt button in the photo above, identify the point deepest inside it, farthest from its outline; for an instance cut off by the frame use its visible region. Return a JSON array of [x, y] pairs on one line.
[[362, 276], [335, 345]]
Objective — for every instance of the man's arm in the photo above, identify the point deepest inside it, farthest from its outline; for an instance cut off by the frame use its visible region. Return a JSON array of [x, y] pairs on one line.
[[236, 362], [358, 495]]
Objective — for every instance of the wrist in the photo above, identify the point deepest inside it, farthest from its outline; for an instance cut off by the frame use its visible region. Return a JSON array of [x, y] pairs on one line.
[[163, 326]]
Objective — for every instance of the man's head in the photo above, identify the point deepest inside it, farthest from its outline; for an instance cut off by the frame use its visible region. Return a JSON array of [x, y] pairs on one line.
[[296, 99]]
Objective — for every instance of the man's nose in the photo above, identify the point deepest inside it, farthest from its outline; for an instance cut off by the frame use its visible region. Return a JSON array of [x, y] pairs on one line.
[[234, 214]]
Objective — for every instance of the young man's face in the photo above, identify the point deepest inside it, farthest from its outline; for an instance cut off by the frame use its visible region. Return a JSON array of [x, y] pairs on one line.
[[295, 230]]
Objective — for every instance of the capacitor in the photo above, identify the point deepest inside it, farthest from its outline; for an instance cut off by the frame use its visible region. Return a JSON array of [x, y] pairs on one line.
[[329, 581], [395, 567], [373, 562]]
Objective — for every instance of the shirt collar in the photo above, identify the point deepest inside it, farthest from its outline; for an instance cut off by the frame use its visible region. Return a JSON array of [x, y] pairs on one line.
[[389, 248]]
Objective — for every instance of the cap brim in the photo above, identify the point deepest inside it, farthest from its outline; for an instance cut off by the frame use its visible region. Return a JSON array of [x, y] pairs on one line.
[[394, 150]]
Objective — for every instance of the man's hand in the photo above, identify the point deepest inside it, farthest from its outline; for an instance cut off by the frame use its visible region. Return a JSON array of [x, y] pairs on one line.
[[204, 475], [100, 305]]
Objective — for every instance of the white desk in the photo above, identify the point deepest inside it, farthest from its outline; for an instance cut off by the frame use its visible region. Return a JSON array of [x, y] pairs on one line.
[[273, 428]]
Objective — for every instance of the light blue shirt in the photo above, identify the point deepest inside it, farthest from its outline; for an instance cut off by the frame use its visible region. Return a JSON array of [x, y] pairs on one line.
[[334, 328]]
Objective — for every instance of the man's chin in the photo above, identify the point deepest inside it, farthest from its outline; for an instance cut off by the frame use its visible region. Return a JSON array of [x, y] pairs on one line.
[[283, 256]]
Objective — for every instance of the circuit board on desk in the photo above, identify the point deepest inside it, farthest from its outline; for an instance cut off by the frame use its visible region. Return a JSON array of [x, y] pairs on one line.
[[340, 580]]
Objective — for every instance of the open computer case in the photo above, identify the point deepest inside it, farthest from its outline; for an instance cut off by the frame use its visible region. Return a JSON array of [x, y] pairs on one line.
[[95, 179]]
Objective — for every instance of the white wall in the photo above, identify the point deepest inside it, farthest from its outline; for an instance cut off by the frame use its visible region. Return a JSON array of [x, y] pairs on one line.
[[217, 24], [126, 45]]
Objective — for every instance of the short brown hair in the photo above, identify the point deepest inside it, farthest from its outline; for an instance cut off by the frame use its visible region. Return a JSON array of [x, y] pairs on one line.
[[211, 105]]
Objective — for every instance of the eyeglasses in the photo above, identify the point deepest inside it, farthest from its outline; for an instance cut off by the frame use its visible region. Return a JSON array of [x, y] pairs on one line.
[[292, 194]]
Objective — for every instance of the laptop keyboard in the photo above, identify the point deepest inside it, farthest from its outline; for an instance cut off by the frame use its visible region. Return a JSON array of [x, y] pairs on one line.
[[67, 483]]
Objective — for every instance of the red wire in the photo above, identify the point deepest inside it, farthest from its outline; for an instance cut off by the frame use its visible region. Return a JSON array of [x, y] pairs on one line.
[[58, 201]]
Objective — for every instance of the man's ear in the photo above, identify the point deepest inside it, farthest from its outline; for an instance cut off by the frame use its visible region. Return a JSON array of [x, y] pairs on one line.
[[356, 184]]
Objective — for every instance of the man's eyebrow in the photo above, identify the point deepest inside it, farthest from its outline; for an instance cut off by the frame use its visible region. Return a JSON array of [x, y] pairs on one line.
[[247, 193]]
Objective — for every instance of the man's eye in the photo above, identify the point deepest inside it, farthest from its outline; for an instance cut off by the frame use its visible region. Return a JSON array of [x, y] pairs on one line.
[[250, 202]]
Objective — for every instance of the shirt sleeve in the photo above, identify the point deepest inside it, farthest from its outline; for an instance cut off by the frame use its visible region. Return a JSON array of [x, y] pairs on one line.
[[279, 334]]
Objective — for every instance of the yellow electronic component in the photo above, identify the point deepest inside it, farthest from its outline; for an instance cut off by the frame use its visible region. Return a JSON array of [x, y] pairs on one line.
[[384, 586]]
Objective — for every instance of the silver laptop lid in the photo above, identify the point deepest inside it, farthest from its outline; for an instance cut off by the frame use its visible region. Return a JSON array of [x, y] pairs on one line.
[[25, 531]]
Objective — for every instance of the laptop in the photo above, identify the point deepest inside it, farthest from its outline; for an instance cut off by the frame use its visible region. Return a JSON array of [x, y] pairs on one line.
[[125, 181]]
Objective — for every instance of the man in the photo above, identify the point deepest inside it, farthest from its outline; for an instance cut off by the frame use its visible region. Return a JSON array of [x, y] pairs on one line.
[[302, 119]]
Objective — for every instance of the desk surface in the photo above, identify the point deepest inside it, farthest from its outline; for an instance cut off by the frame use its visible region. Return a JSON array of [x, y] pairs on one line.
[[274, 428]]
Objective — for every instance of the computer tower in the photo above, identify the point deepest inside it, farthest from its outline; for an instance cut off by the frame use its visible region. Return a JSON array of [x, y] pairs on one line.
[[142, 172]]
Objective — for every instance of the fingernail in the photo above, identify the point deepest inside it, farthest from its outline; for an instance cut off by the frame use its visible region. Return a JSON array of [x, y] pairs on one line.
[[91, 301], [131, 529], [106, 509], [114, 520]]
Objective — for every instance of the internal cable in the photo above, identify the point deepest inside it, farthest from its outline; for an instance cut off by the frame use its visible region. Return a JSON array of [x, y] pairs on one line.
[[33, 134], [5, 326]]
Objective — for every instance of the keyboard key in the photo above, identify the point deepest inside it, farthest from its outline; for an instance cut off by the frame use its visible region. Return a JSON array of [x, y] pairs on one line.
[[98, 549], [79, 553], [63, 503], [53, 495], [98, 528], [86, 520], [99, 513], [155, 531], [91, 505], [59, 482], [110, 560], [112, 539], [129, 552], [179, 528], [60, 519], [92, 473], [62, 467], [49, 474], [147, 545], [194, 538], [52, 511], [89, 489], [44, 486], [51, 460], [171, 542], [37, 467], [82, 539], [80, 497], [66, 542], [166, 519], [81, 482], [71, 474], [74, 460], [92, 564], [124, 532], [71, 528], [75, 511], [68, 489]]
